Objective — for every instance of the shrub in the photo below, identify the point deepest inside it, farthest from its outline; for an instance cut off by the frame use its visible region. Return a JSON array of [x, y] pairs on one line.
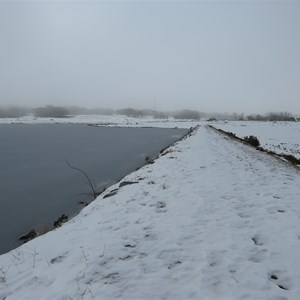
[[51, 111], [159, 115], [231, 134], [130, 112], [291, 158], [252, 140], [283, 116], [187, 114], [13, 112]]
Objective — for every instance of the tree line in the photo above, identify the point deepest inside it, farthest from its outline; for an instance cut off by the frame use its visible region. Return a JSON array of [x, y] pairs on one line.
[[52, 111]]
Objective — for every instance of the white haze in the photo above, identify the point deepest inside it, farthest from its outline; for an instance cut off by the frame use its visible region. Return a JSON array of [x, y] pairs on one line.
[[209, 56]]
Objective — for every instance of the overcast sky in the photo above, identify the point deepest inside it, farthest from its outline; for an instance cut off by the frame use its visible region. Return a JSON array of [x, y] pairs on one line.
[[210, 56]]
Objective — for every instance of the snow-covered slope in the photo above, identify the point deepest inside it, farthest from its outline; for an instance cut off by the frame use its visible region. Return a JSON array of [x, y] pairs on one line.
[[280, 137], [210, 219]]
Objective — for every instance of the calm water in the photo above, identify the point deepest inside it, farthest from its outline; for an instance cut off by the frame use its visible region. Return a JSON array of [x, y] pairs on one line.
[[37, 186]]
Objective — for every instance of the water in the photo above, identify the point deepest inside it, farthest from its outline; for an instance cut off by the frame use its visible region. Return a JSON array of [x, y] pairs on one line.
[[37, 186]]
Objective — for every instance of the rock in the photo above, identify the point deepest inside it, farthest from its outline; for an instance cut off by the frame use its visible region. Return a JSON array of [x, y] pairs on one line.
[[62, 219], [111, 193], [124, 183], [28, 236]]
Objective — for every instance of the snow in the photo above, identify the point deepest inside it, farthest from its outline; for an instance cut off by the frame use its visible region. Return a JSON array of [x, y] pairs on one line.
[[280, 137], [211, 219], [109, 121]]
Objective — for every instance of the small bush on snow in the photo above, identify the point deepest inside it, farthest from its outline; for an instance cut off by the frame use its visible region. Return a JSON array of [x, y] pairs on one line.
[[252, 140]]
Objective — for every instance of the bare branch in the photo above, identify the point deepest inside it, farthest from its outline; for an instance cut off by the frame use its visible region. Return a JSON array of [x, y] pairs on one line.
[[86, 176]]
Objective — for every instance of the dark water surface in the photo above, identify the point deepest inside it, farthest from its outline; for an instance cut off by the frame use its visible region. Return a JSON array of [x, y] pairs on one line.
[[37, 186]]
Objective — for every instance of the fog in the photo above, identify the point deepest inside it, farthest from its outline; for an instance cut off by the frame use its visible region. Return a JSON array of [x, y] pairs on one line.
[[207, 56]]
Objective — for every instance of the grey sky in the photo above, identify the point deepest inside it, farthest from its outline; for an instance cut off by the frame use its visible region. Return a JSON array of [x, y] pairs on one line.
[[210, 56]]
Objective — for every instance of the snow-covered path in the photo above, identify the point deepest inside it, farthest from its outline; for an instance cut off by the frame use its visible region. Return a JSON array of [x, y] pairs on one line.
[[210, 219]]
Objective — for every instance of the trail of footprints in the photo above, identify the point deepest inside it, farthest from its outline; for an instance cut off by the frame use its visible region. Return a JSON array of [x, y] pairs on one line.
[[260, 252], [215, 260], [149, 236], [277, 277]]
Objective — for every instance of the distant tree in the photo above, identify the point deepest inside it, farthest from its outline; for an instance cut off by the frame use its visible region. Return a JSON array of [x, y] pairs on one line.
[[257, 117], [13, 112], [281, 116], [76, 110], [102, 111], [130, 112], [51, 111], [159, 115], [187, 114]]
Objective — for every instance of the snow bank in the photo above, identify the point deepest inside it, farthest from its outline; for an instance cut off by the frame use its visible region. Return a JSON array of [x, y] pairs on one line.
[[280, 137], [97, 120]]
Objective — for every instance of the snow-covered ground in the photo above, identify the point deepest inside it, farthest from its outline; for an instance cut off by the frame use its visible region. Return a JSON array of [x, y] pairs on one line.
[[114, 120], [210, 219], [280, 137]]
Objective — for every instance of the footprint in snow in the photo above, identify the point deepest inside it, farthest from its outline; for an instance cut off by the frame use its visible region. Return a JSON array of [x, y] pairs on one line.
[[281, 280], [161, 204], [257, 240], [259, 255], [111, 278], [244, 215], [275, 209], [149, 237], [58, 259], [174, 264], [216, 258], [127, 257], [147, 227], [129, 245]]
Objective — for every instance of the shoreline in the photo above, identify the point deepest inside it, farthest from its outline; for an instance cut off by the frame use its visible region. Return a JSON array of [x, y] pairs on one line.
[[34, 233], [105, 121]]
